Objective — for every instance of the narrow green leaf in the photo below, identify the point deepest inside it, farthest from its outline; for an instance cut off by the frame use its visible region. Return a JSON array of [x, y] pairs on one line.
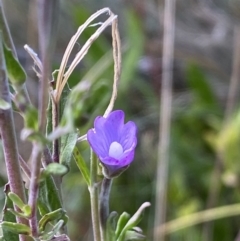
[[63, 99], [42, 207], [26, 211], [48, 200], [17, 228], [4, 105], [68, 143], [52, 194], [16, 200], [81, 165], [111, 226], [52, 216], [122, 221], [8, 216], [133, 221], [17, 214], [15, 71]]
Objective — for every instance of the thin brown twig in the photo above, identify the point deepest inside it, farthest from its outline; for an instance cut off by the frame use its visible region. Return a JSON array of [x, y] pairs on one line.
[[116, 42], [235, 77], [62, 76], [117, 58], [165, 117]]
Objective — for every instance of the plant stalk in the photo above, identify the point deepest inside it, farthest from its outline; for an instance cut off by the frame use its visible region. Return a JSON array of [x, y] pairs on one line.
[[93, 189], [47, 17], [104, 206], [8, 135], [165, 116]]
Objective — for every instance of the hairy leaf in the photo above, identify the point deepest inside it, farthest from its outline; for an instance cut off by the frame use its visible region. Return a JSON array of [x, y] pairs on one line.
[[81, 165], [68, 143], [8, 217], [48, 200], [15, 71]]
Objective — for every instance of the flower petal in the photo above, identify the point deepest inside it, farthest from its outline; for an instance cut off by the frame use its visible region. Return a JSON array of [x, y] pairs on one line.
[[101, 132], [113, 125], [126, 159], [110, 161], [97, 143], [128, 138], [114, 167], [113, 142], [99, 123]]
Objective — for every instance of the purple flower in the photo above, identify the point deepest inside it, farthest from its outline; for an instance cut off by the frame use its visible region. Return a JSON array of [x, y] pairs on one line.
[[113, 141]]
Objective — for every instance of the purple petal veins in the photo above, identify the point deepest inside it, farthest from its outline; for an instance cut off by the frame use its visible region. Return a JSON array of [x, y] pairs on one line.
[[113, 141]]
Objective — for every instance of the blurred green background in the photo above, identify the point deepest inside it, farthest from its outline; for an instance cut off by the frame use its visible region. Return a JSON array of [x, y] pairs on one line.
[[205, 130]]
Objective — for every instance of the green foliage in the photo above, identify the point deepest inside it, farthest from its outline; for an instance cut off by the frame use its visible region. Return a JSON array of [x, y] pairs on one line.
[[111, 226], [226, 142], [16, 228], [81, 164], [48, 200], [197, 139], [26, 209], [122, 221], [75, 105], [52, 216], [200, 86], [49, 236], [15, 71], [134, 235], [4, 105], [131, 223], [31, 118], [8, 217], [68, 143]]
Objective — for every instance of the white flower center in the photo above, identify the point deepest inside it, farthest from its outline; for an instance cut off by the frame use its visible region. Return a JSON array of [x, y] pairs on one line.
[[115, 150]]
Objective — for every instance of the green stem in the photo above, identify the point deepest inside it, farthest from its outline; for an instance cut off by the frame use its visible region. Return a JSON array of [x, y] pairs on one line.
[[104, 206], [93, 189]]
